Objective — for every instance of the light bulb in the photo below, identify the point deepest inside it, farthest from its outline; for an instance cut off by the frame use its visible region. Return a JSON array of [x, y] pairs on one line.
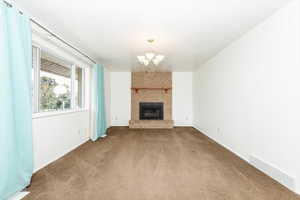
[[141, 59], [150, 56], [146, 62], [156, 61], [160, 57]]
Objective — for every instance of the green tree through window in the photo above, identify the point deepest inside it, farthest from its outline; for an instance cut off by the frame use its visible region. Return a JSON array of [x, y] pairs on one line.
[[51, 101]]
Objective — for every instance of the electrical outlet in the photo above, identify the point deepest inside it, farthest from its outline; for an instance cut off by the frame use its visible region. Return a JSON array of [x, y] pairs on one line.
[[218, 130]]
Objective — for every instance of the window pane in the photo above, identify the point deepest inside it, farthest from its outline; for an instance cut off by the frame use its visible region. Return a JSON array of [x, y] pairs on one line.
[[55, 83], [78, 87]]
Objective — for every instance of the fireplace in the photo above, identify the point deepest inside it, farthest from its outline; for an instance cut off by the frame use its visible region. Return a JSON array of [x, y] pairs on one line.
[[151, 100], [151, 111]]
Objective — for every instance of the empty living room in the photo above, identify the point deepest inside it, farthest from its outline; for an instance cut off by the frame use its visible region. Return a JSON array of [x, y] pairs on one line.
[[140, 100]]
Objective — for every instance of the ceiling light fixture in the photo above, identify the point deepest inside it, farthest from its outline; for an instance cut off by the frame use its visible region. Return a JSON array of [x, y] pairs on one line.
[[150, 57]]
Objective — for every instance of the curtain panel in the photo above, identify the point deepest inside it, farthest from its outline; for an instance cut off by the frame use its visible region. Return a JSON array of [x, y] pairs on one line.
[[16, 162], [98, 103]]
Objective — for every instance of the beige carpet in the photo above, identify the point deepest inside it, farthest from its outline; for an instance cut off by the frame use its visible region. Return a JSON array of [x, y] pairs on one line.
[[177, 164]]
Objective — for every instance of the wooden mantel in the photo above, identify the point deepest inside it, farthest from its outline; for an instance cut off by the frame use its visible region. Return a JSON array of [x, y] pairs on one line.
[[136, 89]]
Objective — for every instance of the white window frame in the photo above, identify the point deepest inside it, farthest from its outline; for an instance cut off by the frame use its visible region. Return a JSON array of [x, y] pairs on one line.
[[84, 85], [36, 87], [36, 80], [73, 77]]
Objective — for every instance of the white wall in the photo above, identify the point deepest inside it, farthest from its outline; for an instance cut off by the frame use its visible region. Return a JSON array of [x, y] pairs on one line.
[[182, 97], [247, 97], [120, 98], [107, 93], [54, 136]]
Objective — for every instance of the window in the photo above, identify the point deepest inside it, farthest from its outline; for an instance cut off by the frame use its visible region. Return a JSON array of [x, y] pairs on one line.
[[58, 84], [78, 87]]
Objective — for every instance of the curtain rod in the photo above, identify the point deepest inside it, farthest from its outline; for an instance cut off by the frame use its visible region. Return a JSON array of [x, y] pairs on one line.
[[54, 35]]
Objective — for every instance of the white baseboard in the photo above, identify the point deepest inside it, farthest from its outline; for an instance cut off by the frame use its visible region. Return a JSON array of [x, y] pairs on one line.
[[126, 123], [263, 166], [114, 125], [273, 172], [18, 196], [120, 123], [225, 146], [182, 123], [61, 155]]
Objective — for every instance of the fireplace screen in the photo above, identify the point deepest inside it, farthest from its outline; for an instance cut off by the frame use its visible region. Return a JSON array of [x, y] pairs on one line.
[[151, 111]]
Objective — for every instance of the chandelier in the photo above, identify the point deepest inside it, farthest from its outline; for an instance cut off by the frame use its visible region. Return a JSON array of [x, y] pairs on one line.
[[150, 57]]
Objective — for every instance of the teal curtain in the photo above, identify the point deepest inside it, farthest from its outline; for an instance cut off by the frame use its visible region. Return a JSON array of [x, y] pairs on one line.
[[16, 163], [100, 118]]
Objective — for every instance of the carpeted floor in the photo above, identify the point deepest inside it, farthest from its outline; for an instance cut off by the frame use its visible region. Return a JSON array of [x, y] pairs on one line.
[[177, 164]]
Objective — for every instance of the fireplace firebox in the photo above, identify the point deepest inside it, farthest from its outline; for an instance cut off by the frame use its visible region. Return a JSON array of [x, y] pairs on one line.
[[151, 111]]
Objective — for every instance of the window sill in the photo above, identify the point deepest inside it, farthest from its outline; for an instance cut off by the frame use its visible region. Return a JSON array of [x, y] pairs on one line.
[[55, 113]]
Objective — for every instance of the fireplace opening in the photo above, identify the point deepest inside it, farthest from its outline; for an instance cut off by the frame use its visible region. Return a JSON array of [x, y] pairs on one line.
[[151, 111]]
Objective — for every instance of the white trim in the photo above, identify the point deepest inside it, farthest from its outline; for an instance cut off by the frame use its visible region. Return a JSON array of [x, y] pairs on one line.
[[223, 145], [55, 113], [83, 88], [61, 155], [120, 123], [182, 123], [73, 67], [127, 125], [36, 110], [36, 80], [18, 195], [297, 191], [273, 171], [259, 166]]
